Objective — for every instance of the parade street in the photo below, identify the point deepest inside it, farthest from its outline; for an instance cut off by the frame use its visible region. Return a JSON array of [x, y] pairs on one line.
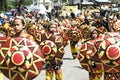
[[72, 69]]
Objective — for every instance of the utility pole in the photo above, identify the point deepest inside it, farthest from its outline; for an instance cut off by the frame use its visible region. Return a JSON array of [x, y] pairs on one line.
[[44, 2], [60, 2], [80, 5], [33, 2]]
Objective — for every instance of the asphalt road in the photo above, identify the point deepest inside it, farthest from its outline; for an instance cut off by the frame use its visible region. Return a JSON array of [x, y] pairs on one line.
[[71, 69]]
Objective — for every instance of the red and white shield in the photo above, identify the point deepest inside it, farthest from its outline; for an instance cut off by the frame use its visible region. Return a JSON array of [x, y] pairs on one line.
[[51, 46], [109, 54], [23, 59]]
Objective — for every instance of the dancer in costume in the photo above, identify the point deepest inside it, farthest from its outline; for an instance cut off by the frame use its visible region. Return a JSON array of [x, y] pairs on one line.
[[23, 53], [54, 67], [94, 34]]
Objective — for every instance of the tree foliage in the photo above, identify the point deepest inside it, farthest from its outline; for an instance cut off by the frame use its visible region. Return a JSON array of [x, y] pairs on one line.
[[9, 4], [115, 0], [3, 4]]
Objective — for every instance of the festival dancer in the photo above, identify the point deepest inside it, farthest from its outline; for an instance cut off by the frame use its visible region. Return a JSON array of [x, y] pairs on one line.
[[55, 68], [94, 34]]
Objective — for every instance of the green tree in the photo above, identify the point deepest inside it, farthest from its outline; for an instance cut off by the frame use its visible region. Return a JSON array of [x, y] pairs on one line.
[[4, 6], [115, 0], [8, 4]]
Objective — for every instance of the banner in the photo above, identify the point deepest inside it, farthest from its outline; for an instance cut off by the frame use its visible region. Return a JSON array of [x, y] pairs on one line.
[[68, 9]]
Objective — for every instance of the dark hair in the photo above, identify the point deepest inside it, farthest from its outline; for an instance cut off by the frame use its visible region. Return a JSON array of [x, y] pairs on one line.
[[21, 18], [51, 23], [91, 33]]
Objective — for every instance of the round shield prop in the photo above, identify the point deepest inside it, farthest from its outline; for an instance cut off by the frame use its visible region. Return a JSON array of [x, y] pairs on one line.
[[48, 48], [51, 45], [109, 54], [88, 56], [23, 59], [90, 52]]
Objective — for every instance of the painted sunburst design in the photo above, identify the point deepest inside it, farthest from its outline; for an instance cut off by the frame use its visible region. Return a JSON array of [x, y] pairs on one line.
[[3, 40], [23, 59], [48, 48], [52, 46], [110, 51], [109, 54], [89, 52]]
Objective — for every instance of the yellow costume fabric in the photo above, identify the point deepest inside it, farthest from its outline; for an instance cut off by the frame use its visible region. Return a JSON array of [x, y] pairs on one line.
[[74, 50], [49, 75], [1, 76]]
